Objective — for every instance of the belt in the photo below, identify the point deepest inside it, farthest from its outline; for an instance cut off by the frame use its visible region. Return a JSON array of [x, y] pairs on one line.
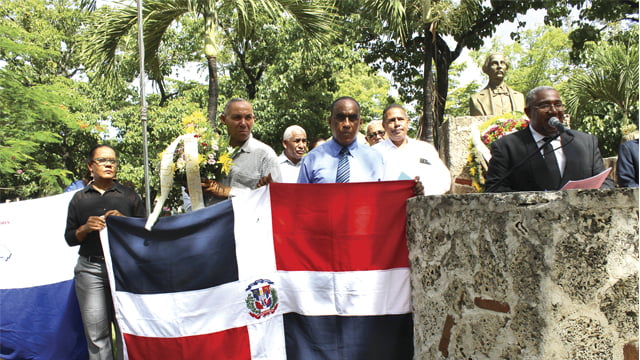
[[95, 259]]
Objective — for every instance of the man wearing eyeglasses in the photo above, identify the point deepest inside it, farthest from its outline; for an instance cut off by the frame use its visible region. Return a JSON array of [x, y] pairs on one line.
[[516, 163], [407, 158], [255, 165], [375, 132]]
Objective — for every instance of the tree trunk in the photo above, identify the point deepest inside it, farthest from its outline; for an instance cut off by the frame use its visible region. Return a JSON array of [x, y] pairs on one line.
[[211, 52], [212, 108], [443, 63], [426, 131]]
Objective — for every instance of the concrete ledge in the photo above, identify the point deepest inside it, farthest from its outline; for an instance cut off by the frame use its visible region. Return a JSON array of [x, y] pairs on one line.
[[544, 275]]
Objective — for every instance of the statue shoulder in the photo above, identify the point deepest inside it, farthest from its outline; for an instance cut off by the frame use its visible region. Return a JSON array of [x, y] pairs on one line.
[[479, 103], [518, 100], [515, 92], [480, 94]]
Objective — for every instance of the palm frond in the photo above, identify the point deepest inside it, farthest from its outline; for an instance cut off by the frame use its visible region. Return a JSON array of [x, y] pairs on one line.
[[393, 12], [612, 76], [112, 26], [315, 18]]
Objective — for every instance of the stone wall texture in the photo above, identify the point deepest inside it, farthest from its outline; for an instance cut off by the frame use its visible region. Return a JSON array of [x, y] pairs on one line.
[[455, 139], [540, 275]]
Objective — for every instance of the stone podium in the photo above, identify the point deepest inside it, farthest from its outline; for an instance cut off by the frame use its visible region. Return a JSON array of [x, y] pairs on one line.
[[539, 275]]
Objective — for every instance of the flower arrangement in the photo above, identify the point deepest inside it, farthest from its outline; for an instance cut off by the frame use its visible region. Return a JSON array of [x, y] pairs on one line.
[[214, 156], [489, 131]]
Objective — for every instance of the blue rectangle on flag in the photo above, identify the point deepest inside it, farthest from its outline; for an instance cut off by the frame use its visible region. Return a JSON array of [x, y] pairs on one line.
[[176, 253]]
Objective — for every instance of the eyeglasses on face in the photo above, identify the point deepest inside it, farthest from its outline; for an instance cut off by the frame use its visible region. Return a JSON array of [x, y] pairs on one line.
[[547, 106], [374, 134], [105, 161]]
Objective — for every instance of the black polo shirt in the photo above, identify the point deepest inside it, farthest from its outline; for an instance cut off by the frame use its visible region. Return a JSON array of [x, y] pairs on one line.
[[89, 202]]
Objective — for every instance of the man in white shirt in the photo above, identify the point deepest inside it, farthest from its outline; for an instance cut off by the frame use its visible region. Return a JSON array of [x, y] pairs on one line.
[[406, 158], [294, 141]]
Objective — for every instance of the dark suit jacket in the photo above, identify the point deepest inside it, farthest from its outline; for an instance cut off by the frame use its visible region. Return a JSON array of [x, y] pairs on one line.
[[627, 164], [580, 149]]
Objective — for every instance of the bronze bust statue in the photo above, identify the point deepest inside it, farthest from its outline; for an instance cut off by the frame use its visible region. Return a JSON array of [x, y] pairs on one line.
[[496, 98]]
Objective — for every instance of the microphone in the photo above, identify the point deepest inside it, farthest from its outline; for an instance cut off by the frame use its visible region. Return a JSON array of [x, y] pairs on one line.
[[553, 122], [557, 124]]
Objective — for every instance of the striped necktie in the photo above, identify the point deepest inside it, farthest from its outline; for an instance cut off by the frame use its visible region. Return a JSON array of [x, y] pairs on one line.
[[342, 175]]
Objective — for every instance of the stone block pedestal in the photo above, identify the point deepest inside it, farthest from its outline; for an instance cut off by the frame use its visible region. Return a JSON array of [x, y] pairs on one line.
[[544, 275]]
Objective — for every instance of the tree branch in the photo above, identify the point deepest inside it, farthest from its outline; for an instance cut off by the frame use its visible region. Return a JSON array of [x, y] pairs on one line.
[[631, 3]]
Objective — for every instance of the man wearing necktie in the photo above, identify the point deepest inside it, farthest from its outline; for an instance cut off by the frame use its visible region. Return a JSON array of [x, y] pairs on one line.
[[557, 157], [496, 98], [343, 158]]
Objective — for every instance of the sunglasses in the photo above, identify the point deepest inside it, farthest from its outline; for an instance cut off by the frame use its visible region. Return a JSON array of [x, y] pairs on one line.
[[374, 134]]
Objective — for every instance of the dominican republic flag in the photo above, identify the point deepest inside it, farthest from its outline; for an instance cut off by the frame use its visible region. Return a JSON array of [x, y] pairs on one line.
[[39, 315], [289, 271]]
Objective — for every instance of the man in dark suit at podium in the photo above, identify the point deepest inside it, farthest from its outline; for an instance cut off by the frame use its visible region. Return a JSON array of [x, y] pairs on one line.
[[517, 165]]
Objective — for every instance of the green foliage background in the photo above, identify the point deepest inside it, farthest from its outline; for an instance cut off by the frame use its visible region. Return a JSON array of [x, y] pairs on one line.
[[54, 106]]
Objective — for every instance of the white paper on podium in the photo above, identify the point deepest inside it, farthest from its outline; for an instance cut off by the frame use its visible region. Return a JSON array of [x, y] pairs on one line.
[[593, 182]]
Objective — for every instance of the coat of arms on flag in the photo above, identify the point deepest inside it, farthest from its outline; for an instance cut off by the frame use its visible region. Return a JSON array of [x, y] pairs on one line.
[[256, 278], [262, 299]]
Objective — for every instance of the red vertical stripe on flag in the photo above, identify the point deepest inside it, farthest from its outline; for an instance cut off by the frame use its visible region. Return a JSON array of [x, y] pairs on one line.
[[361, 229], [232, 344]]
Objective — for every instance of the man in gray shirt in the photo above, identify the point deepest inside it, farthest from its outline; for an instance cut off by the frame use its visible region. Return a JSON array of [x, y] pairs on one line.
[[255, 165]]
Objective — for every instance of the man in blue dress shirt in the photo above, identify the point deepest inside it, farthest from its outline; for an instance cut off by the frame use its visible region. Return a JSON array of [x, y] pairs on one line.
[[321, 164], [324, 163]]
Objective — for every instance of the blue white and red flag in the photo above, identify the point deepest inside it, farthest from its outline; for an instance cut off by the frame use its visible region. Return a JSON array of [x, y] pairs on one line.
[[290, 271]]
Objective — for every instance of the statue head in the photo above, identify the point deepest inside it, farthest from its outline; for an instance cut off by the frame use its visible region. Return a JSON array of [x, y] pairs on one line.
[[495, 66]]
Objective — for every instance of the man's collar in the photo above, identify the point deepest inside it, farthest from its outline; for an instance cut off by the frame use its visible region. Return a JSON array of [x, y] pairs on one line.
[[537, 137], [336, 147], [405, 142], [115, 187], [283, 159], [246, 147]]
